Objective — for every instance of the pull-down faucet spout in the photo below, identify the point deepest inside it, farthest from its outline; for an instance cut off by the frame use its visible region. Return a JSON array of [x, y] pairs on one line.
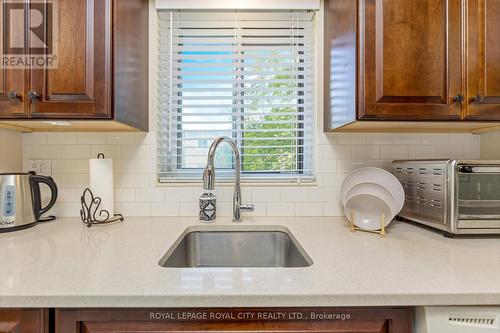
[[209, 176]]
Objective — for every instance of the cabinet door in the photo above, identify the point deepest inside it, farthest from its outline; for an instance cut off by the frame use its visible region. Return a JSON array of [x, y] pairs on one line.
[[23, 321], [483, 59], [12, 81], [79, 87], [410, 59]]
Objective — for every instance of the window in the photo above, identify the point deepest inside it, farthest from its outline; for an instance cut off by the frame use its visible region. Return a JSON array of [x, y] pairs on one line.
[[245, 75]]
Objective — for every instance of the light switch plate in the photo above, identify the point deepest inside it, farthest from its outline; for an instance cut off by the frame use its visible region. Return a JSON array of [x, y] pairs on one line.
[[41, 167]]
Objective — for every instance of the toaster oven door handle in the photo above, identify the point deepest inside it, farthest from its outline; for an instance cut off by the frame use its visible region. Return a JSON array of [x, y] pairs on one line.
[[478, 169]]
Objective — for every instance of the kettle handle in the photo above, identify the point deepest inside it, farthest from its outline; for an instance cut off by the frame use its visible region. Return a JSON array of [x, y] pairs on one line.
[[37, 198]]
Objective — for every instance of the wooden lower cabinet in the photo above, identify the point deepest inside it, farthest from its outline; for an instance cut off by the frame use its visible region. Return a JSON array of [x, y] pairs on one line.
[[24, 321], [332, 320]]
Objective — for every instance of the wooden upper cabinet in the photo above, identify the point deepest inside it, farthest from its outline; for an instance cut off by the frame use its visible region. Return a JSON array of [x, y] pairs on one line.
[[80, 85], [101, 71], [409, 60], [483, 59], [23, 321], [12, 81]]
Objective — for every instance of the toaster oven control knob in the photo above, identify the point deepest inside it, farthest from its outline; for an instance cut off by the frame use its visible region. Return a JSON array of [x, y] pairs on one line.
[[465, 169]]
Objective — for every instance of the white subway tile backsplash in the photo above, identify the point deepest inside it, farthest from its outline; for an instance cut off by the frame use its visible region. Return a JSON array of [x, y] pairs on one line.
[[346, 166], [337, 151], [165, 209], [74, 180], [332, 180], [309, 209], [181, 194], [145, 138], [136, 193], [471, 152], [149, 195], [69, 195], [394, 152], [324, 194], [350, 138], [450, 152], [383, 164], [134, 180], [124, 195], [189, 209], [90, 138], [124, 166], [51, 152], [76, 151], [62, 138], [147, 165], [120, 138], [35, 138], [380, 139], [407, 139], [422, 152], [70, 209], [64, 166], [294, 194], [365, 152], [280, 209], [327, 165], [327, 138], [137, 151], [82, 166], [266, 194], [134, 209], [333, 209]]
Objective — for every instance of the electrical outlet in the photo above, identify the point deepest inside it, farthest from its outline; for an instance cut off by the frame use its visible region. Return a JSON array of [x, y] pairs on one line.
[[40, 167]]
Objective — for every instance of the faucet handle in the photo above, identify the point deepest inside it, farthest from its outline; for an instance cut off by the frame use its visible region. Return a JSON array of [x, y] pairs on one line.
[[247, 208]]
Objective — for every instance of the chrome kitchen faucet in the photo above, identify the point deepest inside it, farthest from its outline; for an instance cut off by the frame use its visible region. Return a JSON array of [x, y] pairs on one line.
[[209, 181]]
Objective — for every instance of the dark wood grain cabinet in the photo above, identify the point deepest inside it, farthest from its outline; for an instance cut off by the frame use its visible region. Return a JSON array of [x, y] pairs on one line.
[[12, 81], [333, 320], [483, 59], [411, 60], [101, 73], [80, 85], [419, 61], [24, 321]]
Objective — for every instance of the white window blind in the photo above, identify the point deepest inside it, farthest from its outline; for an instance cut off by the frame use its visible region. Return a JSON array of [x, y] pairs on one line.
[[245, 75]]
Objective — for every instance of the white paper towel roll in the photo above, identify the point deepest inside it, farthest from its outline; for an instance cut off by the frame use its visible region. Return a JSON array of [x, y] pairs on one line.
[[101, 183]]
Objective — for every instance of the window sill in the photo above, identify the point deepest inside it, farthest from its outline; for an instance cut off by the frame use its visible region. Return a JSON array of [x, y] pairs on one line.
[[230, 183]]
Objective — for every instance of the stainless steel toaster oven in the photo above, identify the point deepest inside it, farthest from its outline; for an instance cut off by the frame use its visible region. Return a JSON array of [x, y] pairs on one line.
[[456, 196]]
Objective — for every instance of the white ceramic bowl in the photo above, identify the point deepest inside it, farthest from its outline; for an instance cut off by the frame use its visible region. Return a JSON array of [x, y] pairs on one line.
[[376, 190], [377, 176], [367, 211]]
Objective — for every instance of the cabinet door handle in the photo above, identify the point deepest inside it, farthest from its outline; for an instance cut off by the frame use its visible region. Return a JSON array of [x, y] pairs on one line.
[[477, 99], [458, 98], [33, 96], [14, 96]]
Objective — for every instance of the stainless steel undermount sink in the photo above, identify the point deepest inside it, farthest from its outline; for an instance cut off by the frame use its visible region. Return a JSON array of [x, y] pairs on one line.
[[236, 246]]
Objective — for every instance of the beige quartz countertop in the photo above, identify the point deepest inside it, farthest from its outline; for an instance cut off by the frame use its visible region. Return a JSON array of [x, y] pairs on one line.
[[65, 264]]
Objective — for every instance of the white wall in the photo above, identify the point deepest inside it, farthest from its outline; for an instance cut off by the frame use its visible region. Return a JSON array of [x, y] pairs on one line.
[[490, 145], [10, 151], [136, 193]]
